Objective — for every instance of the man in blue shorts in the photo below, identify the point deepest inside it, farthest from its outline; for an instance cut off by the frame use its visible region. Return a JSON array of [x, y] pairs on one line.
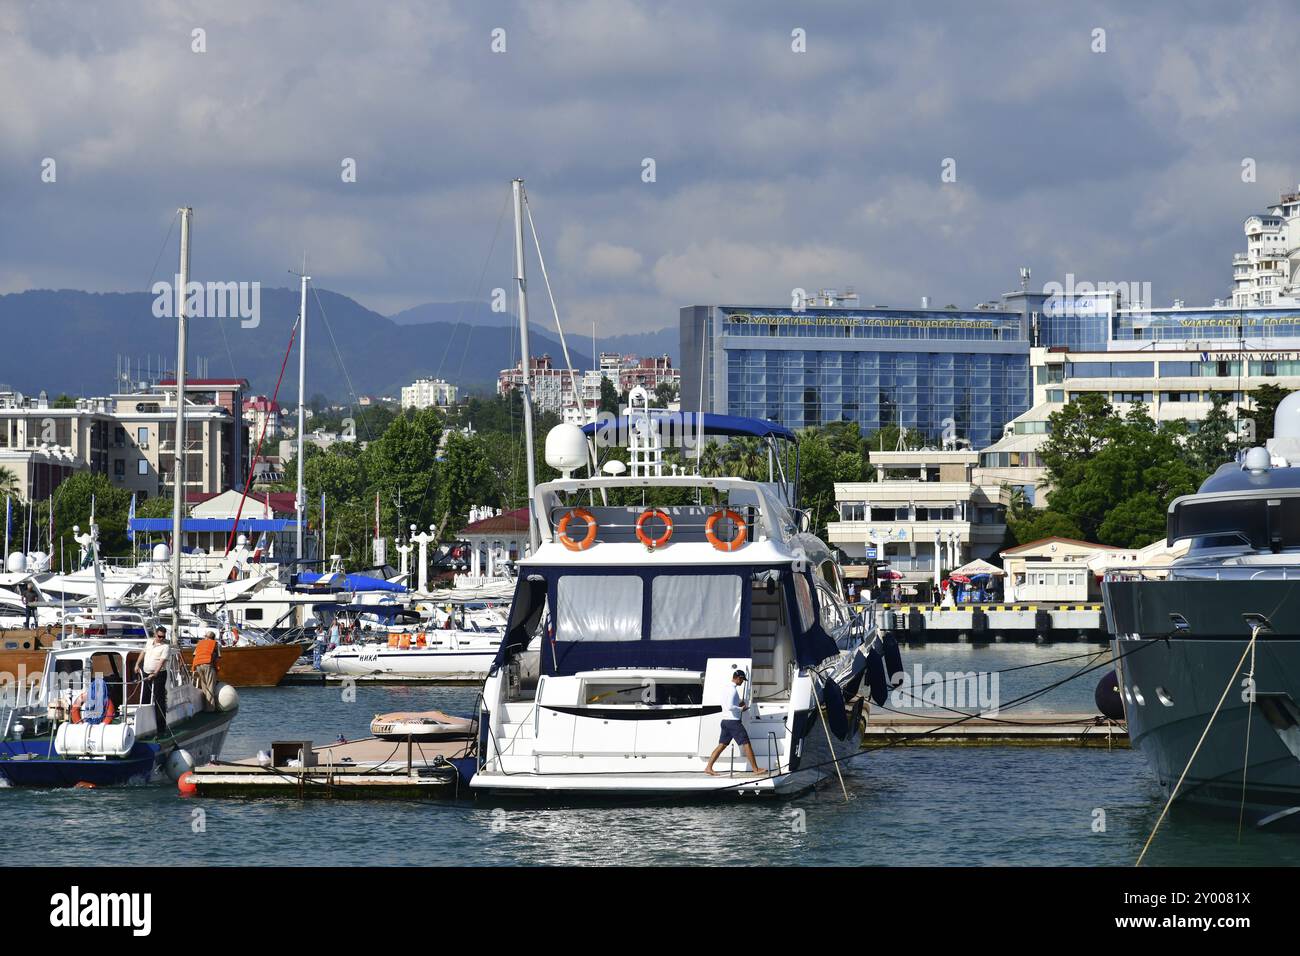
[[733, 728]]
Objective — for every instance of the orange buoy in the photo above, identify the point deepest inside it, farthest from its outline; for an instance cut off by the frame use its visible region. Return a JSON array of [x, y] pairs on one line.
[[562, 529], [742, 530], [186, 784], [85, 785], [644, 536]]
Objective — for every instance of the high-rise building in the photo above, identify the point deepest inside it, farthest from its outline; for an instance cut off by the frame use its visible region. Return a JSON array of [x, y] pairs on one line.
[[1268, 272], [949, 373]]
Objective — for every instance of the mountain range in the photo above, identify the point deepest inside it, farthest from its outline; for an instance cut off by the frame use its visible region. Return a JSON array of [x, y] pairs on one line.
[[67, 340]]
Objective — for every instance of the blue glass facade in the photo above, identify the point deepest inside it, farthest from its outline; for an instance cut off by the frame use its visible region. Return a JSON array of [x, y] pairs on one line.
[[1205, 325], [936, 371]]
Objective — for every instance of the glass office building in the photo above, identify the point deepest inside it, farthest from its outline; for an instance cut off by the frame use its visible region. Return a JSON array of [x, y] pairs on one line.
[[943, 372]]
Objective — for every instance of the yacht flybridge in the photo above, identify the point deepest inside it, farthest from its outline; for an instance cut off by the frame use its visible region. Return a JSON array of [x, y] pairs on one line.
[[646, 593]]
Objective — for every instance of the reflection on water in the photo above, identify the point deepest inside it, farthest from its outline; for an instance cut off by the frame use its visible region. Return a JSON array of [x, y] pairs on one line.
[[918, 806]]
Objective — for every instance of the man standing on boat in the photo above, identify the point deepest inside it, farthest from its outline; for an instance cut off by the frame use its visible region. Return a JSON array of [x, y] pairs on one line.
[[206, 654], [733, 727], [152, 668]]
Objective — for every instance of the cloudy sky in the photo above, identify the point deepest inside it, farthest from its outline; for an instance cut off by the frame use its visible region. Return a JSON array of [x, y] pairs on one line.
[[773, 168]]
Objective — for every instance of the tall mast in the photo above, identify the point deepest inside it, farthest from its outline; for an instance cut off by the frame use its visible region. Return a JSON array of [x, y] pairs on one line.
[[526, 362], [178, 469], [300, 500]]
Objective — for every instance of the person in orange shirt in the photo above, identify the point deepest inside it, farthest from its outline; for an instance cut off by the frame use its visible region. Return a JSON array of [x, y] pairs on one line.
[[206, 654]]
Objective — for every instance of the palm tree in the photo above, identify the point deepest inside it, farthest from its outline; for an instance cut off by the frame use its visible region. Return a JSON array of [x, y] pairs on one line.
[[8, 481], [711, 459]]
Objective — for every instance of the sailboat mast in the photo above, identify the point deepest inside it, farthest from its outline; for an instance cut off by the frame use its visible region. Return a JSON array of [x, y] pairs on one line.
[[526, 362], [178, 469], [300, 500]]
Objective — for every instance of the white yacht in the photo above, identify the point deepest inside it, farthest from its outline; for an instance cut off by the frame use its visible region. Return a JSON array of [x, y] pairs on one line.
[[456, 643], [646, 592]]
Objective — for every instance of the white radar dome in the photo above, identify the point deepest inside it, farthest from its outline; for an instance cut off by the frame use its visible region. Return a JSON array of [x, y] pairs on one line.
[[16, 563], [566, 448], [1286, 420], [162, 553]]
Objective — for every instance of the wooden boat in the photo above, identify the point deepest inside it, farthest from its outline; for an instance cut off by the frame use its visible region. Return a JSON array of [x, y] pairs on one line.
[[257, 665]]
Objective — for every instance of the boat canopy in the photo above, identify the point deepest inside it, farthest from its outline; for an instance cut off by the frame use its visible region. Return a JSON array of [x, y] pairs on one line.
[[212, 524], [354, 582], [662, 617], [729, 426]]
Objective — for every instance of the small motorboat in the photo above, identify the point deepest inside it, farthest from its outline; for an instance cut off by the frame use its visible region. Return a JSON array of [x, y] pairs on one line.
[[423, 725]]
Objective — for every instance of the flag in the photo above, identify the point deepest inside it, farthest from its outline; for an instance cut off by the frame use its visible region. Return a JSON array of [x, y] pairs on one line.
[[130, 516]]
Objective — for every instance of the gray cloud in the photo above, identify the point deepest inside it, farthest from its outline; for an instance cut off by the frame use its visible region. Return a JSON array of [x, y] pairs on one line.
[[775, 169]]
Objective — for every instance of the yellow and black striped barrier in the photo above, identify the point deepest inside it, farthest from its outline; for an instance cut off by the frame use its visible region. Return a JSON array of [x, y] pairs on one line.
[[984, 607]]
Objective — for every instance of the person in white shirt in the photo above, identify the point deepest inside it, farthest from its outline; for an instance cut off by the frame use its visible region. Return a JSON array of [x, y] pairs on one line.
[[152, 668], [734, 705]]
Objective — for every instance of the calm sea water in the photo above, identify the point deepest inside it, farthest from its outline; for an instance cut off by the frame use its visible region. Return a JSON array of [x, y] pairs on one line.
[[933, 806]]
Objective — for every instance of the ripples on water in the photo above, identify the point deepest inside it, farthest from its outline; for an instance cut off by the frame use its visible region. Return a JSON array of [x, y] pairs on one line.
[[916, 806]]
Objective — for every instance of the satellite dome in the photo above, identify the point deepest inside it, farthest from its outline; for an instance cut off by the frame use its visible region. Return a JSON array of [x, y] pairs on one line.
[[16, 563], [162, 553], [1286, 420], [566, 448]]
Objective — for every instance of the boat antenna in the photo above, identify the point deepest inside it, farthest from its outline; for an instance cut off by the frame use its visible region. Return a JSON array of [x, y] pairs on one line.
[[564, 347], [178, 442], [300, 495], [525, 366], [699, 420]]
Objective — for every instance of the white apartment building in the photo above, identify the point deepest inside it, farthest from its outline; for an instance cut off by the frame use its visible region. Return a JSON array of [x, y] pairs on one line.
[[126, 436], [1268, 272], [1175, 380], [553, 386], [428, 393], [924, 515]]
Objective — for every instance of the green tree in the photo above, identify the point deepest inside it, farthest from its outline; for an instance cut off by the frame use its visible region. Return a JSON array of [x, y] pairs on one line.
[[8, 481], [466, 479], [159, 506], [1042, 524], [403, 461], [72, 504], [1134, 463], [64, 401], [609, 398], [666, 393], [1264, 401], [1215, 442]]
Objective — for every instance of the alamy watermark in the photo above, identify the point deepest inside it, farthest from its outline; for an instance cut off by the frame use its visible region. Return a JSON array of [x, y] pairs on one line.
[[1093, 298], [949, 690], [210, 300]]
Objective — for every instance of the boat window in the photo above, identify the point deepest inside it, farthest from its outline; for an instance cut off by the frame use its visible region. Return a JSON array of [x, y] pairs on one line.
[[693, 606], [803, 592], [592, 608]]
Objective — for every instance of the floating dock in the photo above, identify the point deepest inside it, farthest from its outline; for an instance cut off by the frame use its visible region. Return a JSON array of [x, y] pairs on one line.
[[981, 623], [306, 675], [931, 728], [369, 768]]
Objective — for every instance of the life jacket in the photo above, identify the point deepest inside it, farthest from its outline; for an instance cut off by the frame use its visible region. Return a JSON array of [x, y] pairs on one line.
[[204, 652]]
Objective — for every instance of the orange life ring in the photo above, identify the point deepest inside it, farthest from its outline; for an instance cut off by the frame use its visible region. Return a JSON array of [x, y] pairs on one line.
[[562, 529], [109, 709], [645, 538], [742, 530]]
